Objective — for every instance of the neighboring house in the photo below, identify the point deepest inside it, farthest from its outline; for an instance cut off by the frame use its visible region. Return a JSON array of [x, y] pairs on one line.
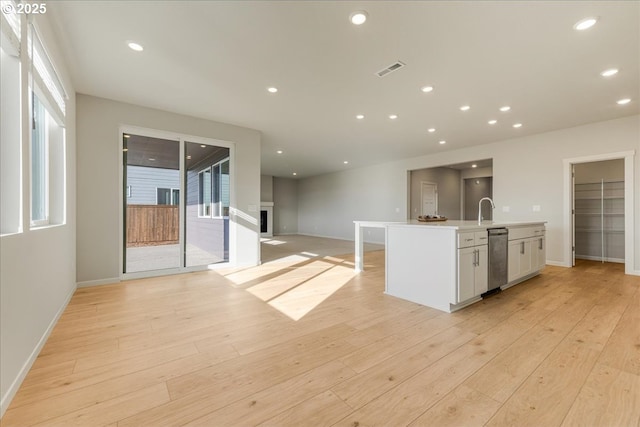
[[152, 186]]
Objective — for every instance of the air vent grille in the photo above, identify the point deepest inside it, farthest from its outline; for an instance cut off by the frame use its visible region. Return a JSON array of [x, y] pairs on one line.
[[391, 68]]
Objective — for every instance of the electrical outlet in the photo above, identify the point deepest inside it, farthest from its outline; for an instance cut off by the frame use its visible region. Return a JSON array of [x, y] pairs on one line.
[[397, 210], [506, 209], [536, 208]]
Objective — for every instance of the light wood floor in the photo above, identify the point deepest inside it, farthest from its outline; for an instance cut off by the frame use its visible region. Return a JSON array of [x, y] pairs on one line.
[[308, 343]]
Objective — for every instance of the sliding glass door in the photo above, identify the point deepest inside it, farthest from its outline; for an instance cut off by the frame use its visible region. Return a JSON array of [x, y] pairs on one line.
[[207, 204], [176, 200]]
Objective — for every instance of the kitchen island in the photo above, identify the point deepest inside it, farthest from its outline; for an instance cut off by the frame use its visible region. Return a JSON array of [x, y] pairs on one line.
[[444, 265]]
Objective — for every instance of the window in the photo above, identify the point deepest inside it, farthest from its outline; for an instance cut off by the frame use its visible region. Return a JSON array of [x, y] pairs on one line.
[[221, 188], [204, 193], [214, 190], [167, 196], [11, 207], [39, 165], [47, 156]]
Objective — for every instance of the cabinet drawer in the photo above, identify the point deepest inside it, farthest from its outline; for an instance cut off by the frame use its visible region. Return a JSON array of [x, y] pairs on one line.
[[481, 238], [466, 239], [525, 232]]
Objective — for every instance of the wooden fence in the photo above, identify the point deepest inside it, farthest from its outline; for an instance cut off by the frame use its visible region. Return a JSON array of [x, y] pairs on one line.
[[152, 225]]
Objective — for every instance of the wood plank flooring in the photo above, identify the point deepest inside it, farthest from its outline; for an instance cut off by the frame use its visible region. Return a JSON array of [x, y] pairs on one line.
[[309, 342]]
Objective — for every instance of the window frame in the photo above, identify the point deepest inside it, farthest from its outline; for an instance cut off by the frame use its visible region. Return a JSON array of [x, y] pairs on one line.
[[173, 192], [204, 209], [46, 158]]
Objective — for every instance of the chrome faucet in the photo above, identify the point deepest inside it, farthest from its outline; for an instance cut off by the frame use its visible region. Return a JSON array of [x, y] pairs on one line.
[[493, 206]]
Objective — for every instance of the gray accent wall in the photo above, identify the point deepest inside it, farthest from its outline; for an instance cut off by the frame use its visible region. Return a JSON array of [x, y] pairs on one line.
[[285, 206], [448, 182]]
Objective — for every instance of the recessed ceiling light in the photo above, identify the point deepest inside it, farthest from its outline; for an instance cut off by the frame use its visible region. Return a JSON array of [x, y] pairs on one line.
[[346, 162], [393, 116], [585, 24], [505, 108], [431, 130], [295, 173], [203, 146], [492, 122], [135, 46], [279, 151], [426, 89], [610, 72], [442, 142], [127, 136], [464, 108], [152, 160], [360, 116], [474, 165], [125, 149], [359, 17], [517, 125], [188, 157], [272, 89], [624, 101]]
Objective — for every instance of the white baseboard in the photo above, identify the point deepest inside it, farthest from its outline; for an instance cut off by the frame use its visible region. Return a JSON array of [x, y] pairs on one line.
[[558, 264], [98, 282], [596, 258], [340, 238], [15, 385]]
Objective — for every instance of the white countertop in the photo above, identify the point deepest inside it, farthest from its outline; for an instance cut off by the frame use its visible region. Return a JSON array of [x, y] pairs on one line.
[[453, 224]]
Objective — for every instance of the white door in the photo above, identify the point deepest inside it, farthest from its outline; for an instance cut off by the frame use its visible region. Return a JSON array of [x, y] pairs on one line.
[[429, 198]]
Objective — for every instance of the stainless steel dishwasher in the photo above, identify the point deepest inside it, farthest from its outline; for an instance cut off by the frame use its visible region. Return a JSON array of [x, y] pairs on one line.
[[498, 262]]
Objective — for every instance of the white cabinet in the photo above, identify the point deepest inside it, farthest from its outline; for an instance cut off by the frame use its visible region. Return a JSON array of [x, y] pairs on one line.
[[472, 272], [519, 254], [526, 252]]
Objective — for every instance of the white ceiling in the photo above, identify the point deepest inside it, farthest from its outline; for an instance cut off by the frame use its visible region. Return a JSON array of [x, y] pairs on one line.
[[215, 59]]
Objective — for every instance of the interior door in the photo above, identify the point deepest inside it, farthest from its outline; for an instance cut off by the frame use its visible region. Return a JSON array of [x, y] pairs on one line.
[[429, 198]]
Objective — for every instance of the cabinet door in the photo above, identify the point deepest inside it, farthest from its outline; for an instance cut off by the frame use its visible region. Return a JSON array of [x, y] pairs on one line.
[[539, 251], [525, 257], [481, 275], [466, 272], [513, 267]]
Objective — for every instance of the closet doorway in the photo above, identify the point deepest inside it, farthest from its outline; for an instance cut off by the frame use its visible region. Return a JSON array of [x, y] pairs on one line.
[[599, 210], [598, 218]]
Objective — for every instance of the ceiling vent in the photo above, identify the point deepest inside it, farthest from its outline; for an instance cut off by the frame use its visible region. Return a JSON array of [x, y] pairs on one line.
[[391, 68]]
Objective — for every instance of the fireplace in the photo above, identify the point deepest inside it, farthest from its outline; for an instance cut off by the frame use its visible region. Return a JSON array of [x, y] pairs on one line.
[[266, 219]]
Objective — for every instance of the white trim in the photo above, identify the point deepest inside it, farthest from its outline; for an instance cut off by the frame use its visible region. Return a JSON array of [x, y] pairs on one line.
[[15, 385], [598, 258], [99, 282], [558, 264], [629, 230], [435, 190]]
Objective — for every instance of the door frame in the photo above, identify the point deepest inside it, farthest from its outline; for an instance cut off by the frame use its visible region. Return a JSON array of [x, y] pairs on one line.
[[181, 139], [422, 184], [629, 231]]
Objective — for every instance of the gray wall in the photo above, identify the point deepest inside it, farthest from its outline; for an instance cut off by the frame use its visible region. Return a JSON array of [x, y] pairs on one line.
[[609, 170], [266, 188], [99, 234], [448, 181], [474, 190], [527, 171], [37, 267], [285, 206]]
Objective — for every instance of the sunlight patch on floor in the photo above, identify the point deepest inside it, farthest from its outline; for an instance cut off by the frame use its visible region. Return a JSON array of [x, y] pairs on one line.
[[272, 242], [241, 277], [302, 299], [272, 288]]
